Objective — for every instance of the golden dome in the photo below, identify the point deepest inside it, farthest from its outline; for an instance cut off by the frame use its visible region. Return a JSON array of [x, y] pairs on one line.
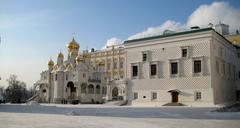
[[60, 55], [50, 63], [73, 44], [79, 58]]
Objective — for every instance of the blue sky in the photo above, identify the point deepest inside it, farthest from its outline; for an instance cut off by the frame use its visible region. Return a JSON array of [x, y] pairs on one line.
[[32, 30]]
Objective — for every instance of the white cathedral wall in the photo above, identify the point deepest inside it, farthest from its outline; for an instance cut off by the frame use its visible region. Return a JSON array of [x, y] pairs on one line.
[[199, 45], [58, 87]]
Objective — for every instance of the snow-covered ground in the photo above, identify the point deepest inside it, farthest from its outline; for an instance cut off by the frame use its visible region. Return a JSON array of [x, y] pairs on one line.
[[101, 116]]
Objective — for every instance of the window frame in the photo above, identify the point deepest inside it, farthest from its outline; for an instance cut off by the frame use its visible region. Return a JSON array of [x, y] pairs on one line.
[[154, 97], [197, 66], [201, 59], [170, 68], [197, 96], [187, 51], [138, 71], [135, 95]]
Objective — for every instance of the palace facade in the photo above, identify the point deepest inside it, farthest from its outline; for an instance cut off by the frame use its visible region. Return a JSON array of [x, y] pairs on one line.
[[195, 67]]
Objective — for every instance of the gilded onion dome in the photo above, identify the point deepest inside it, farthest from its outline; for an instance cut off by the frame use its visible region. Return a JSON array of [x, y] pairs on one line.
[[50, 63], [79, 58], [60, 55], [73, 44]]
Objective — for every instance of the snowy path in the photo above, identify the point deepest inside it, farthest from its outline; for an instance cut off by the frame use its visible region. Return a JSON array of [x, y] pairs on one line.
[[19, 120], [22, 116]]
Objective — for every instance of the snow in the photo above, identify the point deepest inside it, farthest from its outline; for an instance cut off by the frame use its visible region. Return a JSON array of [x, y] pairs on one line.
[[101, 116], [33, 103]]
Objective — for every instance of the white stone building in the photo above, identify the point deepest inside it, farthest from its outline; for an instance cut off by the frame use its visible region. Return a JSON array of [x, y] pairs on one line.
[[194, 67]]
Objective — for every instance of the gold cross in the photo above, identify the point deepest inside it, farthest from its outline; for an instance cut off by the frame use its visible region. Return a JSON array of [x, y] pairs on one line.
[[74, 34]]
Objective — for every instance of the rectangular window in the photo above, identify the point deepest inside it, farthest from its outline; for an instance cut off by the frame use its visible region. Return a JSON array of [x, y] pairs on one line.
[[238, 55], [198, 95], [153, 69], [134, 71], [121, 64], [184, 52], [154, 95], [56, 77], [239, 74], [115, 65], [233, 70], [174, 68], [197, 66], [108, 66], [223, 67], [229, 69], [135, 95], [217, 66], [66, 76], [144, 56]]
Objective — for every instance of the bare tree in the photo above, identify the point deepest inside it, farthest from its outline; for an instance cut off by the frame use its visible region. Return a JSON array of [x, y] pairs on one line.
[[16, 91]]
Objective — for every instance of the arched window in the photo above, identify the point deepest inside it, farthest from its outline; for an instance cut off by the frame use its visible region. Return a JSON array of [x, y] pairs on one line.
[[98, 89], [44, 91], [90, 89], [84, 88]]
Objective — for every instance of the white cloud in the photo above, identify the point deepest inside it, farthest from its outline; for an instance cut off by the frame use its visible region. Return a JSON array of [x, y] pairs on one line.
[[112, 41], [217, 11], [202, 16], [171, 25]]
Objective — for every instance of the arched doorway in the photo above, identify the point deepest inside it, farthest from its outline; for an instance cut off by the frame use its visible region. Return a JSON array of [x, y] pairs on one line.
[[115, 93], [90, 89], [84, 88], [98, 89], [72, 89], [174, 94]]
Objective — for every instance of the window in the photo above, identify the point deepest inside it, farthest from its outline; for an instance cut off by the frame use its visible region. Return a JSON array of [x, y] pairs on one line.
[[184, 52], [238, 55], [153, 69], [144, 57], [239, 74], [154, 95], [135, 95], [56, 77], [66, 76], [217, 66], [115, 65], [229, 69], [223, 67], [174, 68], [134, 71], [108, 66], [84, 75], [198, 95], [121, 64], [197, 66], [233, 70]]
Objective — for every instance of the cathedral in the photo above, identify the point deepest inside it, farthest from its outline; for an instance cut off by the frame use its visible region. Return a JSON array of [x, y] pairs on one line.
[[196, 67], [73, 80]]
